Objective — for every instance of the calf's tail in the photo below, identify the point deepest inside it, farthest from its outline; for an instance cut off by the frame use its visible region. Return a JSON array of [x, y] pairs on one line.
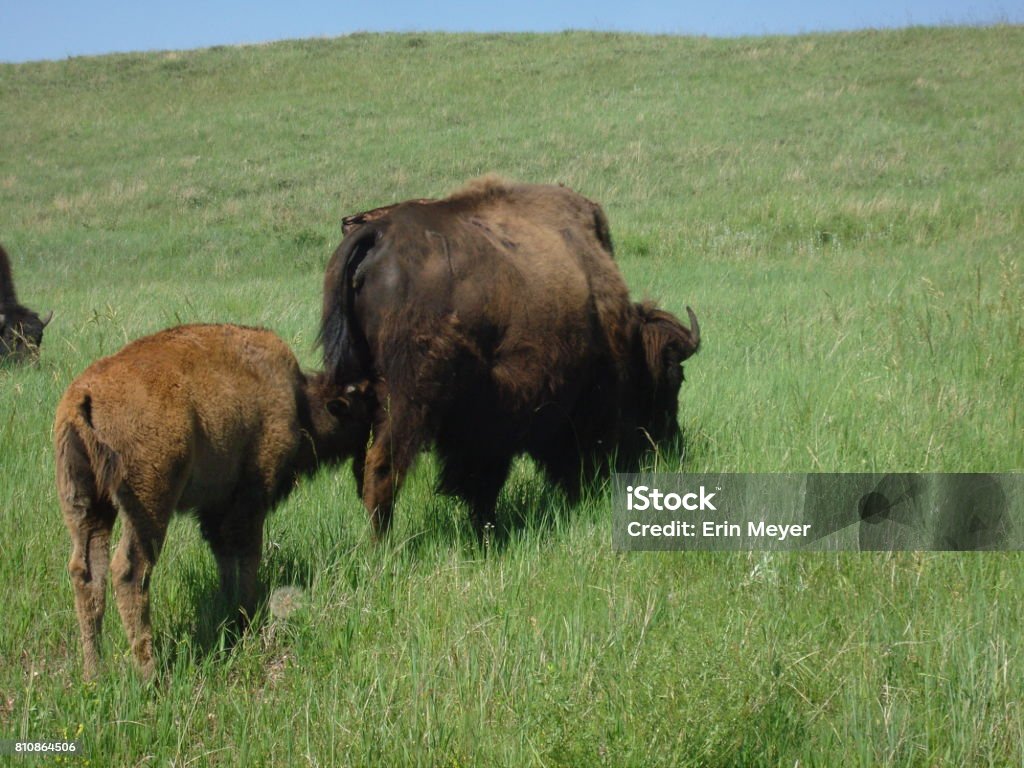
[[85, 464]]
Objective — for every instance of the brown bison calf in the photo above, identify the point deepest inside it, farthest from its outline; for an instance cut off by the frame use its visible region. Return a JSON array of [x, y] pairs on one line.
[[214, 418]]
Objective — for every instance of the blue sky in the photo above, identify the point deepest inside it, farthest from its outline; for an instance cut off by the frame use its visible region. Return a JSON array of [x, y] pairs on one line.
[[55, 29]]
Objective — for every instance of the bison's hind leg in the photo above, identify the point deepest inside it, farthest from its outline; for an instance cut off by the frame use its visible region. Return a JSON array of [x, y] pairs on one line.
[[90, 522], [398, 436], [89, 519], [144, 526]]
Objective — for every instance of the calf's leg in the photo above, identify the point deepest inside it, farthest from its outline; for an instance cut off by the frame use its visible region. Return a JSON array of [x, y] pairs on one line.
[[248, 567], [235, 534], [89, 520], [211, 526], [90, 524], [142, 538]]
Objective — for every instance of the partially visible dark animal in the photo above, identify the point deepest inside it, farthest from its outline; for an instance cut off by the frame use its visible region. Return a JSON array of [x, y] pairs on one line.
[[21, 329], [495, 322], [214, 418]]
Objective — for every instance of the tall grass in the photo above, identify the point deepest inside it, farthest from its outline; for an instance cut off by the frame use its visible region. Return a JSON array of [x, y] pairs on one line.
[[843, 212]]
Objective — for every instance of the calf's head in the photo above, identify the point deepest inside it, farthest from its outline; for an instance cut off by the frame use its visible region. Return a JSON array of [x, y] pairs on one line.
[[339, 417]]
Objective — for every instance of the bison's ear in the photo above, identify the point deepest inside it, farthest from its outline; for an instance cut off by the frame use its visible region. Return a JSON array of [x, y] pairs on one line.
[[666, 341], [353, 403], [359, 389]]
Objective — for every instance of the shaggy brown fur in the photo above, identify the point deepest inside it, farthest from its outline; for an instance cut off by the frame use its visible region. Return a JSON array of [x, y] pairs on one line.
[[496, 322], [213, 418], [21, 329]]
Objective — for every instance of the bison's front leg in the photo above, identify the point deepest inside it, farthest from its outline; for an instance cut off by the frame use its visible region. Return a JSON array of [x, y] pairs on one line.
[[235, 534], [248, 566], [475, 475], [397, 440]]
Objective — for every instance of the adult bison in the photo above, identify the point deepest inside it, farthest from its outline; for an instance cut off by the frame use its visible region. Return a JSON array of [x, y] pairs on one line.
[[21, 329], [495, 322]]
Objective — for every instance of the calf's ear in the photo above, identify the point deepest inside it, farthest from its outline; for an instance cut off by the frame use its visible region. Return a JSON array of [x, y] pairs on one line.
[[358, 389], [352, 403]]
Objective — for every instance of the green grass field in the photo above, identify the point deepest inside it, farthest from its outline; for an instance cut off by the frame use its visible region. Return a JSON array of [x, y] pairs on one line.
[[844, 212]]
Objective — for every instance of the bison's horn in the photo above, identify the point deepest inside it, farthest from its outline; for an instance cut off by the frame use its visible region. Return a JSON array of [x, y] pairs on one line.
[[46, 320], [694, 328]]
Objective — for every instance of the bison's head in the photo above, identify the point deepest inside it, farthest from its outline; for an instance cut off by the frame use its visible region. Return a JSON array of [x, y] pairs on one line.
[[21, 332], [661, 344]]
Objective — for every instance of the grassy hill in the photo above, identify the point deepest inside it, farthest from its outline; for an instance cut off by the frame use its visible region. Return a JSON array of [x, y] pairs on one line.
[[844, 212]]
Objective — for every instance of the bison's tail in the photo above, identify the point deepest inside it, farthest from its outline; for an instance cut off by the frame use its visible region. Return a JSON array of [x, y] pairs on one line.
[[345, 348], [85, 464]]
